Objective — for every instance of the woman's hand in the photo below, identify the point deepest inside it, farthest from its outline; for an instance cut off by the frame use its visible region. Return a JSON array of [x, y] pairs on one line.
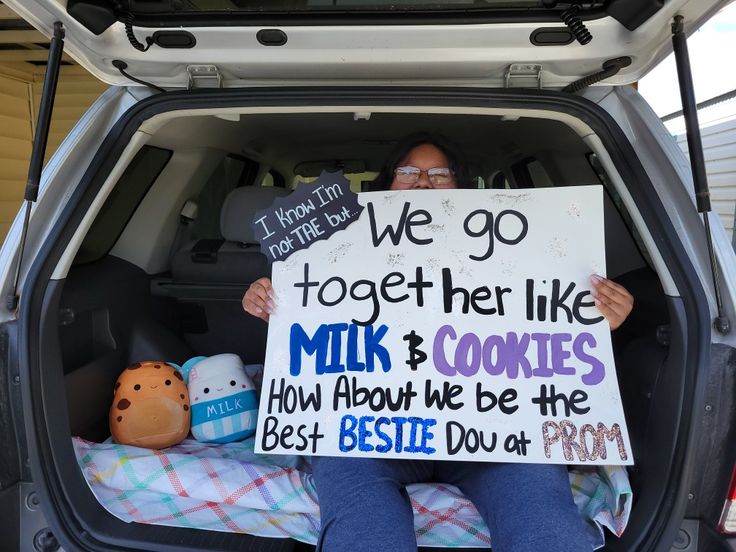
[[613, 300], [258, 300]]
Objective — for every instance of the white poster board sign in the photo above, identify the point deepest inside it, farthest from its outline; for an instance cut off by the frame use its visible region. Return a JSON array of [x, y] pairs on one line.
[[447, 324]]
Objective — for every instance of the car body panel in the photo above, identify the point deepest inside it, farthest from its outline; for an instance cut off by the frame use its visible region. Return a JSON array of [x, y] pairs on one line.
[[478, 53], [463, 57]]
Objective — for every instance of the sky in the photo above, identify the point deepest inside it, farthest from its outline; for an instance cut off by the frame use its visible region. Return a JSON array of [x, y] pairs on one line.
[[712, 51]]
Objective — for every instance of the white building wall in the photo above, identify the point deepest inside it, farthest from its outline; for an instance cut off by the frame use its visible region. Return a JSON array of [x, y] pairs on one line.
[[20, 96], [718, 132]]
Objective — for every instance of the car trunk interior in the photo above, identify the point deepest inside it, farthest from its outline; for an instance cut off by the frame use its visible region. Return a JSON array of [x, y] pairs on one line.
[[152, 280]]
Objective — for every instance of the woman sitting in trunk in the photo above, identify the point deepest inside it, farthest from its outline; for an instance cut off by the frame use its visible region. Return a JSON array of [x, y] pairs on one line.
[[363, 501]]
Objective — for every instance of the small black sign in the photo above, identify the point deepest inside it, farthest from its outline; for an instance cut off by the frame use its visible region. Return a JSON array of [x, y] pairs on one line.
[[312, 212]]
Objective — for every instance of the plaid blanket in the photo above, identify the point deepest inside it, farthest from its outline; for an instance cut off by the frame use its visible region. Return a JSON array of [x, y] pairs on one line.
[[230, 488]]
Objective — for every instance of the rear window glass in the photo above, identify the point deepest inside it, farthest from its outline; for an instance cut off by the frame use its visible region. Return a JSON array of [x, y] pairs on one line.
[[600, 172], [359, 182], [341, 7], [122, 202], [273, 178], [232, 172], [529, 173], [325, 5]]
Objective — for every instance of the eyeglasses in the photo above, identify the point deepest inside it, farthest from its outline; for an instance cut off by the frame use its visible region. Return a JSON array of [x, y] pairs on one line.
[[438, 176]]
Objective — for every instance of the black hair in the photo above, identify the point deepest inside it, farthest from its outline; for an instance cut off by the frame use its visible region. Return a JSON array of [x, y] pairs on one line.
[[458, 164]]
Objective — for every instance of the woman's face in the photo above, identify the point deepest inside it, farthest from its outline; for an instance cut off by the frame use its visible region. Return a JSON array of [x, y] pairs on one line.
[[425, 166]]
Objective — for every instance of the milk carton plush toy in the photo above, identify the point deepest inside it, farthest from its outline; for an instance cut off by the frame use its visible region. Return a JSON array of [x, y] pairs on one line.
[[223, 399]]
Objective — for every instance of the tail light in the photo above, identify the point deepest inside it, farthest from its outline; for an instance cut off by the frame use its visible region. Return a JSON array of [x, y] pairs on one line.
[[728, 517]]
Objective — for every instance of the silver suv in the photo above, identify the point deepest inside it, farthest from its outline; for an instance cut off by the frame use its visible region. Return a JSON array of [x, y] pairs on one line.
[[121, 254]]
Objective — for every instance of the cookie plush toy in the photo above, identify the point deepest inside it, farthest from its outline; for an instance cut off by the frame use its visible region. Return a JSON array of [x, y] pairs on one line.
[[224, 405], [150, 407]]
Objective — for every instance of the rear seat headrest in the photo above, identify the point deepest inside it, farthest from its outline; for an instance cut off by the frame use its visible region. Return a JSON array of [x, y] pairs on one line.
[[240, 207]]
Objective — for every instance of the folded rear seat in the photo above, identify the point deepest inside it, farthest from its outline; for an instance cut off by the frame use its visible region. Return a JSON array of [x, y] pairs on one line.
[[210, 276]]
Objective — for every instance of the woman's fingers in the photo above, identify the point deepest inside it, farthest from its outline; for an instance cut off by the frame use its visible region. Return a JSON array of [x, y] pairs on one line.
[[259, 299], [256, 310], [612, 299]]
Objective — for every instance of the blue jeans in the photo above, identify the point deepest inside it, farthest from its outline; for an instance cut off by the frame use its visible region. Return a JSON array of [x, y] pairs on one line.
[[365, 507]]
